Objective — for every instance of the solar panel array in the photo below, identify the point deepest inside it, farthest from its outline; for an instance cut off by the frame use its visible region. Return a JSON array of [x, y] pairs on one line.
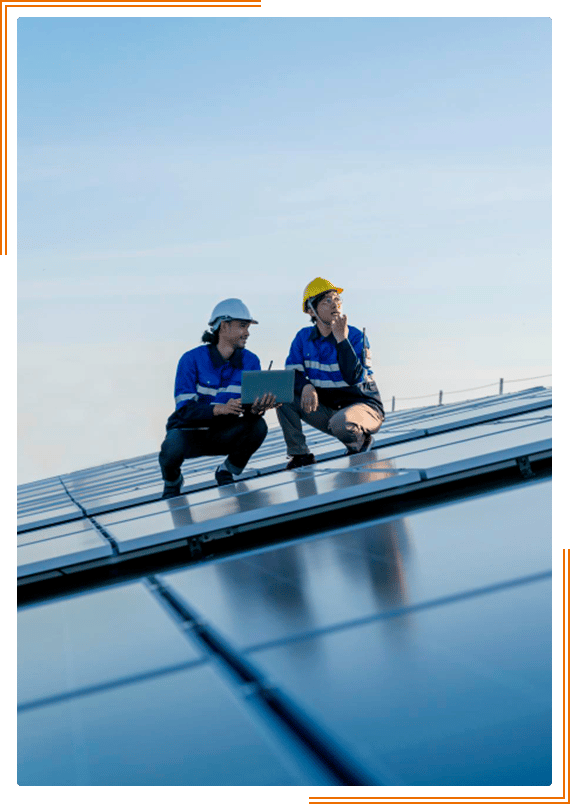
[[406, 646]]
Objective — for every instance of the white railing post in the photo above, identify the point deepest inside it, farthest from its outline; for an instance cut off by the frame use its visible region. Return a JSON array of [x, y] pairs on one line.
[[441, 397], [501, 385], [393, 404]]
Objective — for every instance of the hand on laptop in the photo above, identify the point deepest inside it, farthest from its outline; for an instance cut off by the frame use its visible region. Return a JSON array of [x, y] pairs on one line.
[[266, 402], [232, 406]]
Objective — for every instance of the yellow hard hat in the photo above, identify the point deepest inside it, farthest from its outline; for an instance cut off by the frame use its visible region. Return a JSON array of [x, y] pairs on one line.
[[315, 288]]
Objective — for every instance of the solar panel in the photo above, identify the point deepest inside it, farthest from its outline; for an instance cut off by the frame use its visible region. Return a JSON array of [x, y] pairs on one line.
[[406, 642], [63, 551], [184, 728], [417, 697], [374, 568], [91, 641]]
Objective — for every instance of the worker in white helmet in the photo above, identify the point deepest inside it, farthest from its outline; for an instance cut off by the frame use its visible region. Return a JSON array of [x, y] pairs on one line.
[[335, 389], [209, 418]]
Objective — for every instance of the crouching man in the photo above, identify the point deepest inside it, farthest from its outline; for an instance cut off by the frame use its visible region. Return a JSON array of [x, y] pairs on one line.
[[209, 418], [334, 385]]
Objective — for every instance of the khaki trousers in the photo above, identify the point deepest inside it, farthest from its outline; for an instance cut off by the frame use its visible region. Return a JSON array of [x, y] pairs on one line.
[[350, 425]]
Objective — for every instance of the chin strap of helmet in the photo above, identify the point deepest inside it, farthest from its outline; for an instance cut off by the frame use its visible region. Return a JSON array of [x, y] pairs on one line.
[[317, 316]]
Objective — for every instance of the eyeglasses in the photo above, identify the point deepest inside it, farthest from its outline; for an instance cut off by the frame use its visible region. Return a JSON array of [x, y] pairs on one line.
[[331, 300]]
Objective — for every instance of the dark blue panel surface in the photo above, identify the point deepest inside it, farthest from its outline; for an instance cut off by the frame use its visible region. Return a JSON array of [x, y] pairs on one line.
[[95, 638], [304, 491], [457, 694], [63, 529], [181, 729], [373, 568]]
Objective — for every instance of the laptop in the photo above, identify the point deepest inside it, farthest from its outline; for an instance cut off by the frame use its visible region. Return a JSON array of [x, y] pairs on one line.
[[256, 383]]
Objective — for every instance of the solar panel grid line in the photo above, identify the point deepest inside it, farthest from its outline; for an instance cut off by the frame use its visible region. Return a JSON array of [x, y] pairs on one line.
[[39, 484], [36, 511], [282, 697], [35, 508], [115, 562], [526, 580], [56, 553], [356, 549], [87, 494], [449, 421], [443, 722], [117, 683], [35, 491], [41, 521], [226, 531], [30, 508], [152, 458], [322, 469], [402, 611], [495, 407], [213, 535], [210, 494], [27, 538], [218, 527], [39, 577], [413, 413], [81, 487], [78, 481], [445, 426], [270, 701], [308, 767], [490, 461]]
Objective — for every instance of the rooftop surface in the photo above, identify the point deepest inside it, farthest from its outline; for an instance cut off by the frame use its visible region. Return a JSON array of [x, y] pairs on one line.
[[378, 619]]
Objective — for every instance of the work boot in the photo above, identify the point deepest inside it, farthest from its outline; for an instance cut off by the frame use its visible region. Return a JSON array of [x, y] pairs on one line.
[[223, 477], [301, 460], [366, 447], [172, 488]]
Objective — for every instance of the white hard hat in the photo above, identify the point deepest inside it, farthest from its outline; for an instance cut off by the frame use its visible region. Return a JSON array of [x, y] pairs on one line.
[[228, 310]]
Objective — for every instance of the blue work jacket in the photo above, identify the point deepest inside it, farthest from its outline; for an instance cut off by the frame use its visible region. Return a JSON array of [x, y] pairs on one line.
[[339, 371], [205, 379]]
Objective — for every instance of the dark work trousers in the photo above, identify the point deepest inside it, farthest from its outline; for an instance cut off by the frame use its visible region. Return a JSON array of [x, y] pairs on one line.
[[351, 425], [238, 438]]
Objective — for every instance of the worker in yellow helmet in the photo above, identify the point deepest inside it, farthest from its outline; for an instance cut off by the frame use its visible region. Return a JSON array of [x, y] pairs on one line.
[[334, 385]]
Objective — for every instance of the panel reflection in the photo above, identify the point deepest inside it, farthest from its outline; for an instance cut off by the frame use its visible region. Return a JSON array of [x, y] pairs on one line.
[[287, 591]]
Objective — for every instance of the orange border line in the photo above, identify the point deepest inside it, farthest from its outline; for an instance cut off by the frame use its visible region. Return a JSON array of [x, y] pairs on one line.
[[131, 3], [563, 797], [5, 109], [126, 3]]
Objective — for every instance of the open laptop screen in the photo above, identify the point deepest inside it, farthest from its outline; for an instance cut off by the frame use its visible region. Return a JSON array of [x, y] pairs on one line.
[[256, 383]]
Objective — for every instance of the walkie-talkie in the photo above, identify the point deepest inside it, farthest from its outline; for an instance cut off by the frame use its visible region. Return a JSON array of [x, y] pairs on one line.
[[365, 350]]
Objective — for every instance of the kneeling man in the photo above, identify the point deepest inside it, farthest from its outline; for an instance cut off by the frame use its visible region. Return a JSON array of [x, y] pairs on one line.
[[334, 385], [209, 418]]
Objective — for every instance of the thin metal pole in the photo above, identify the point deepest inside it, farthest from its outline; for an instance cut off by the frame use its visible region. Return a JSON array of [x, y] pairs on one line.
[[501, 385], [441, 397], [393, 404]]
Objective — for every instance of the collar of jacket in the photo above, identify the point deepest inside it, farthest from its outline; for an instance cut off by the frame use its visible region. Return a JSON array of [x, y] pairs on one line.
[[315, 333], [236, 359]]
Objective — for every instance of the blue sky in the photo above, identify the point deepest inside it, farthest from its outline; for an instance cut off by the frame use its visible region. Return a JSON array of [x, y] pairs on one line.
[[164, 164]]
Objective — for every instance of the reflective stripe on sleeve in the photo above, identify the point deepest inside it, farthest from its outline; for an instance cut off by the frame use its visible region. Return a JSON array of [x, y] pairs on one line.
[[203, 390], [230, 389], [184, 397]]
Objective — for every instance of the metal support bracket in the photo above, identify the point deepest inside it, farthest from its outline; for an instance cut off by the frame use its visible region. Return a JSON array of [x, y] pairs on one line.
[[195, 547], [524, 468]]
